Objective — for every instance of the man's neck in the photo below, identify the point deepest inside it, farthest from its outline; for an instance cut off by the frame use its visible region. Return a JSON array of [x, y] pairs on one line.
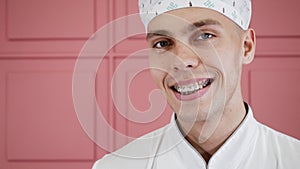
[[229, 122]]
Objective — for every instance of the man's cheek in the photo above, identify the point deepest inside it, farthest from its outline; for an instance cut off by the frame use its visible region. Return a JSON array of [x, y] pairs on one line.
[[156, 76]]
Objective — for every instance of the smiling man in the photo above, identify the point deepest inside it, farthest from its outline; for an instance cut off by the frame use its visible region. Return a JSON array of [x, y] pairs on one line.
[[197, 50]]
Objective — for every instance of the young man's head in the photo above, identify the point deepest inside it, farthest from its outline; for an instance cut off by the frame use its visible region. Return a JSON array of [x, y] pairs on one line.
[[196, 55]]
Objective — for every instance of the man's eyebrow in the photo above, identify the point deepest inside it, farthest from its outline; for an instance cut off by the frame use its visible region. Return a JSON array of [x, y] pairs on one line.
[[201, 23], [158, 33]]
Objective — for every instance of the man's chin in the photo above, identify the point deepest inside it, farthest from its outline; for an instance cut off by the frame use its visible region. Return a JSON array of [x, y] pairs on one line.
[[193, 116]]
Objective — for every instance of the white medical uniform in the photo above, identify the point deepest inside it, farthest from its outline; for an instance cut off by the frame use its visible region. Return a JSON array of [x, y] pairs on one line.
[[252, 146]]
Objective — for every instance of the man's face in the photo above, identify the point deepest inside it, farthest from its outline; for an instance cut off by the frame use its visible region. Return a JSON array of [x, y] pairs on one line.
[[196, 59]]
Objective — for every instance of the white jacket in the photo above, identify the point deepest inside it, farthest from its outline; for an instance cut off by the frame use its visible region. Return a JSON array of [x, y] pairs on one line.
[[252, 146]]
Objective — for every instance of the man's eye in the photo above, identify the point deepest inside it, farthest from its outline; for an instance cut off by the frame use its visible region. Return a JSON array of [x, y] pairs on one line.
[[162, 44], [205, 36]]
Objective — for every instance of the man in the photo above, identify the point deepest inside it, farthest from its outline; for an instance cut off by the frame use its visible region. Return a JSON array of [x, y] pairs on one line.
[[197, 49]]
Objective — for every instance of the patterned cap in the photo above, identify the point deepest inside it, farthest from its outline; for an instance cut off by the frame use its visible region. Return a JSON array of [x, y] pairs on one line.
[[239, 11]]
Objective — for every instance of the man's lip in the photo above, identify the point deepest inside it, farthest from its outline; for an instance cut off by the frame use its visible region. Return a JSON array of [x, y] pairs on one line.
[[192, 96]]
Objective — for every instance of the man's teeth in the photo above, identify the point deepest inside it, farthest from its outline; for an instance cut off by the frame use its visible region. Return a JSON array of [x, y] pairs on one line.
[[192, 88]]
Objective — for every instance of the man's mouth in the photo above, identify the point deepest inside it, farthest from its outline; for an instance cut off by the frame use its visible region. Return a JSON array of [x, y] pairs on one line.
[[193, 87]]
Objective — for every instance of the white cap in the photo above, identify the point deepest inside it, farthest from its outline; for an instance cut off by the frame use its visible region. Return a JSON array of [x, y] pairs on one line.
[[239, 11]]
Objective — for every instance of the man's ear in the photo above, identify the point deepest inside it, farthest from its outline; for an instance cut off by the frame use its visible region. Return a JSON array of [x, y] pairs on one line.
[[249, 46]]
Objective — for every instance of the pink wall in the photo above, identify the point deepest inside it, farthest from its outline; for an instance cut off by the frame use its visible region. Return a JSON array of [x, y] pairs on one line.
[[39, 44]]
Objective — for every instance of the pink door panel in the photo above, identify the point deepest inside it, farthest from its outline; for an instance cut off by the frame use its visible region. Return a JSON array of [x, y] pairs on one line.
[[38, 121], [59, 27]]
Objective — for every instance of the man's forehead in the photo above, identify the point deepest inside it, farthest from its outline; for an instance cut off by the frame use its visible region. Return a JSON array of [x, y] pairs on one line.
[[184, 28], [203, 22]]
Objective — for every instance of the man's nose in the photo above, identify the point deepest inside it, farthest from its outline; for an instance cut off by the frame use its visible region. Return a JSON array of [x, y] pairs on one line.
[[186, 58]]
